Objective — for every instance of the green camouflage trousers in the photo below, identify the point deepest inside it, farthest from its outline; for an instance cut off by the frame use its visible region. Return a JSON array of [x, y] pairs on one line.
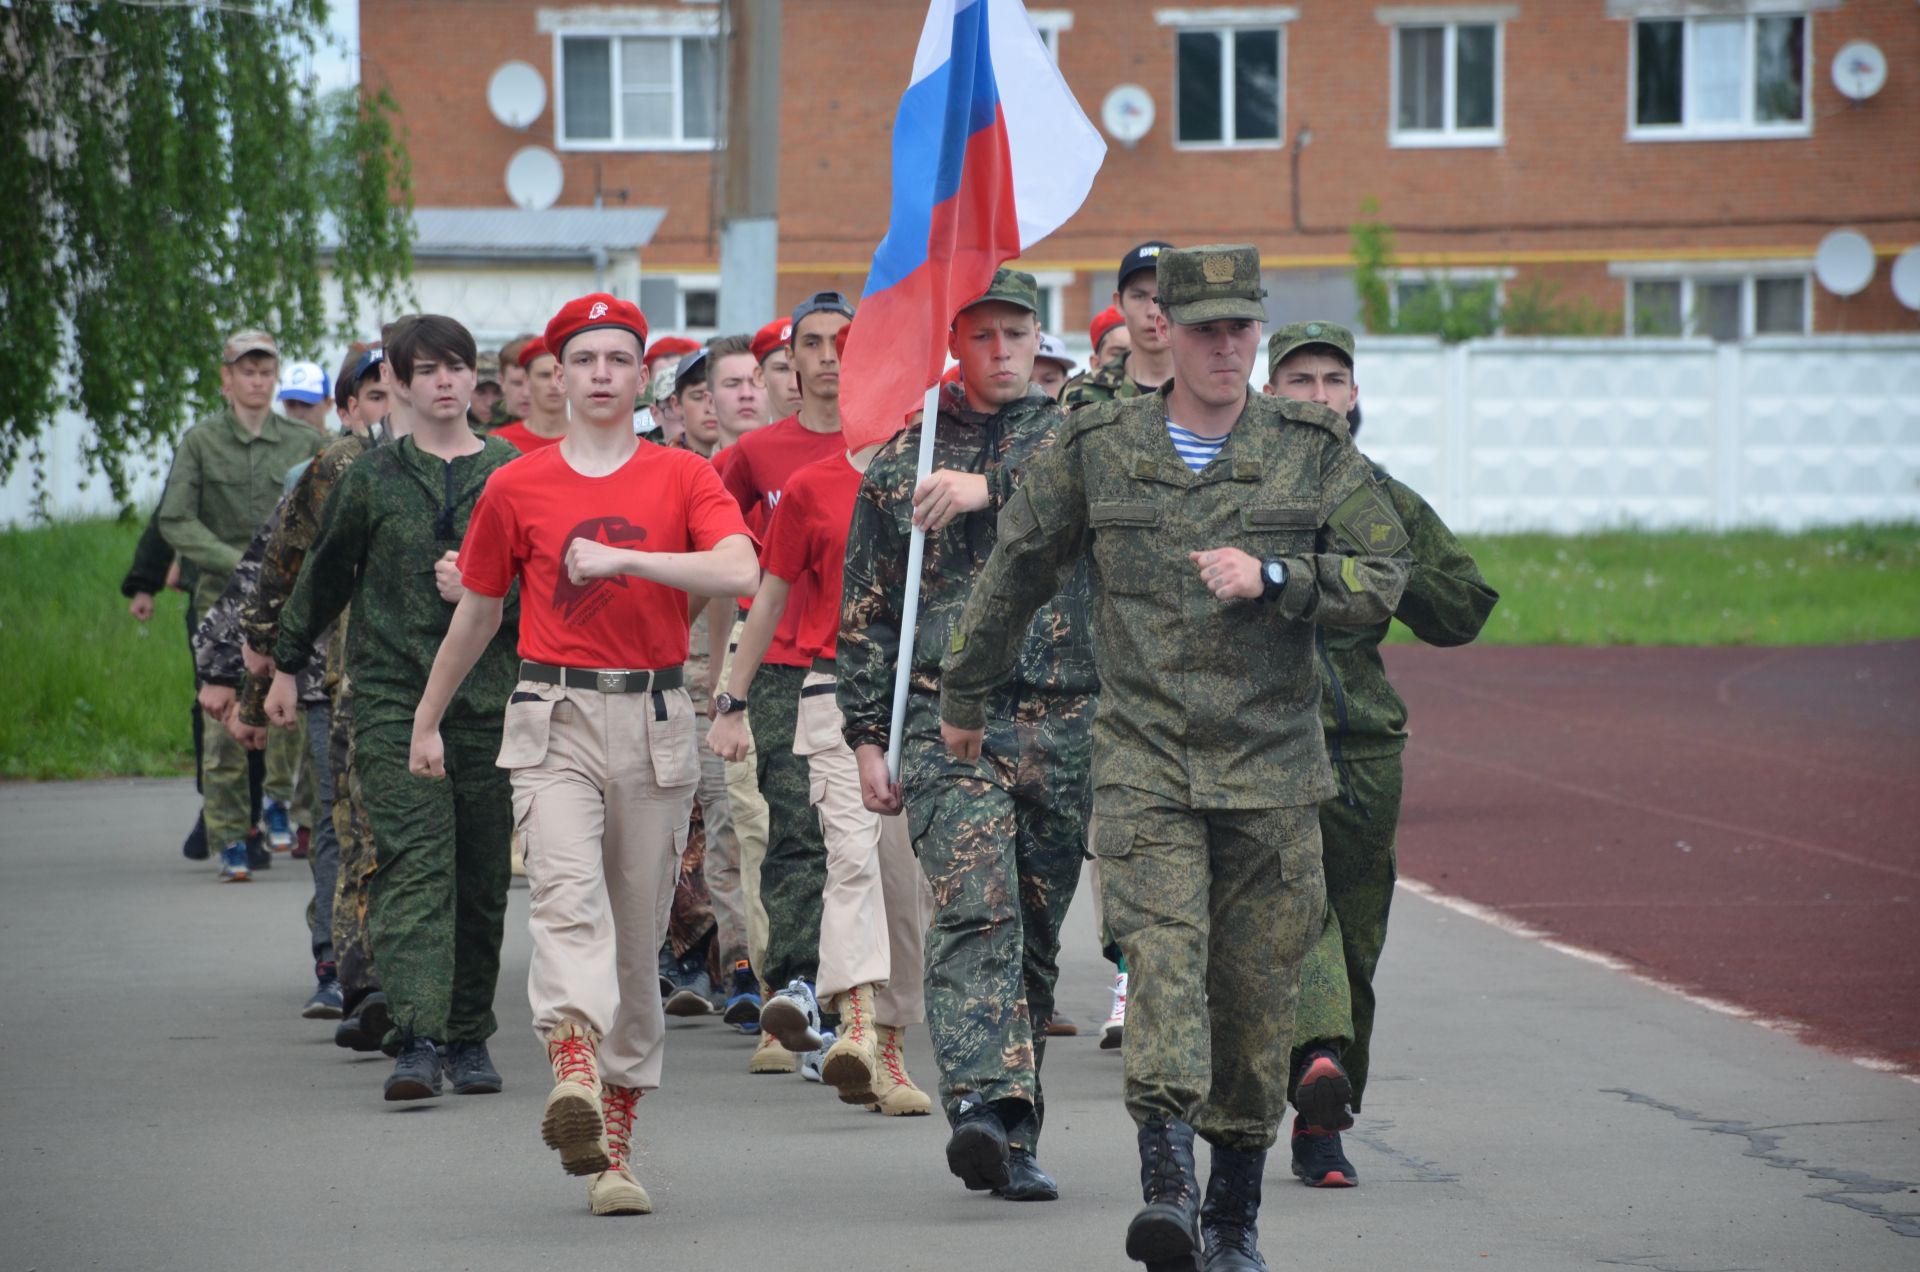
[[1214, 911], [1000, 841], [351, 950], [438, 900], [1336, 979], [794, 874]]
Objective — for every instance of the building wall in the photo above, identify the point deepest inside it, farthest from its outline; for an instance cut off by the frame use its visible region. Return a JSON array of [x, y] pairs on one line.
[[1566, 196]]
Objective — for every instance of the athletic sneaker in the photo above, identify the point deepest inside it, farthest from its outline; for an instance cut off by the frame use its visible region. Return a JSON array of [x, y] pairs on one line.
[[366, 1029], [1321, 1090], [273, 815], [327, 999], [416, 1071], [1116, 1026], [811, 1062], [792, 1016], [1318, 1160], [471, 1070], [692, 990], [743, 1003], [233, 863]]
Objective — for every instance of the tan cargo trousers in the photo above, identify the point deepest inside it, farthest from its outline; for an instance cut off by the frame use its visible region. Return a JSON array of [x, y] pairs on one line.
[[602, 788], [749, 812]]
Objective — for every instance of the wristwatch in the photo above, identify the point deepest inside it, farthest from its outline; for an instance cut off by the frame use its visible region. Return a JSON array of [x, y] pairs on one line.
[[726, 704], [1273, 577]]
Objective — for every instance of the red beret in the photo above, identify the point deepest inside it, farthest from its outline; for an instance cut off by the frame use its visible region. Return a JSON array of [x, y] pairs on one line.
[[594, 313], [1103, 322], [952, 375], [777, 334], [669, 347], [534, 348]]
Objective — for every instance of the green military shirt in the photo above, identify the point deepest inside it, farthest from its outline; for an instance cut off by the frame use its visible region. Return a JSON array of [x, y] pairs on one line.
[[1214, 704], [225, 481], [1107, 384], [1446, 602], [1056, 656], [391, 517]]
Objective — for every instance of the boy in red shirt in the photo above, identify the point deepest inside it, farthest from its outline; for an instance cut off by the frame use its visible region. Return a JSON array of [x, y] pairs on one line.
[[605, 538], [546, 421], [876, 899]]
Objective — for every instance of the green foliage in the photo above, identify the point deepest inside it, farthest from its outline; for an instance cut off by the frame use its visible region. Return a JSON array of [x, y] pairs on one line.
[[1458, 310], [172, 175]]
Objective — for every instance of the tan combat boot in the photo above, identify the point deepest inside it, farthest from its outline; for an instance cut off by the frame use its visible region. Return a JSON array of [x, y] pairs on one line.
[[614, 1191], [771, 1057], [572, 1121], [894, 1092], [853, 1061]]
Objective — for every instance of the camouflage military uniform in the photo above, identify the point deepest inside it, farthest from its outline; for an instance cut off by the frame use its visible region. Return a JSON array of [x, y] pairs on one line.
[[438, 897], [1446, 602], [1108, 384], [303, 514], [1001, 839], [1208, 755]]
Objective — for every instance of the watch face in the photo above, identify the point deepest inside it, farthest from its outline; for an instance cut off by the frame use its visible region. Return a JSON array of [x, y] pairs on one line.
[[1273, 569]]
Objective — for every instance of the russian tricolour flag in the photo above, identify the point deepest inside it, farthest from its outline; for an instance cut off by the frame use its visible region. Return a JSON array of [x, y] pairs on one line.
[[991, 153]]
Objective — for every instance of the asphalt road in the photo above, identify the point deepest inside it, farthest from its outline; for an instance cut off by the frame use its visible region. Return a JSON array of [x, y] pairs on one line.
[[163, 1106]]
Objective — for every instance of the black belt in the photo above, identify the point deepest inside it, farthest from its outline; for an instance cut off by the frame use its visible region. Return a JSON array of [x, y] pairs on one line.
[[605, 681], [814, 691], [825, 667]]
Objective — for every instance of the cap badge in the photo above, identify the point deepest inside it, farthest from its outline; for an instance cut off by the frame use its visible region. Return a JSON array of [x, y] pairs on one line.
[[598, 311], [1313, 328], [1149, 251], [1217, 269], [786, 331]]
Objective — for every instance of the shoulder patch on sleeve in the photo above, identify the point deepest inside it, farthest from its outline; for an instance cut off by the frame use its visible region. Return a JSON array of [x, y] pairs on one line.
[[1368, 523], [1018, 519]]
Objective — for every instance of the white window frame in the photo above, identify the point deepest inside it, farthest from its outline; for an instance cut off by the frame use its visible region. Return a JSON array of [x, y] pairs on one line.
[[1447, 277], [1054, 282], [682, 284], [616, 24], [1747, 129], [1691, 273], [1226, 23], [1050, 23], [1449, 135]]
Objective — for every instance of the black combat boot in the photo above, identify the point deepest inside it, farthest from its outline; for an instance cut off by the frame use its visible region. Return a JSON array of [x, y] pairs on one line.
[[977, 1150], [416, 1073], [1232, 1205], [471, 1070], [1025, 1180], [1165, 1234]]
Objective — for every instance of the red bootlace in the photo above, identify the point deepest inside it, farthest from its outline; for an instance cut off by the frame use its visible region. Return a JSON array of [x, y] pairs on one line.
[[573, 1056], [617, 1106], [890, 1057]]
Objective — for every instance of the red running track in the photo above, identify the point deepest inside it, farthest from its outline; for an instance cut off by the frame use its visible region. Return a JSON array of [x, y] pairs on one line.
[[1738, 823]]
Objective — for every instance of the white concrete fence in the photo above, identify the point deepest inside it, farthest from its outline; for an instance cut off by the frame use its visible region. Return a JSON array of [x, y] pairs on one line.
[[1561, 435]]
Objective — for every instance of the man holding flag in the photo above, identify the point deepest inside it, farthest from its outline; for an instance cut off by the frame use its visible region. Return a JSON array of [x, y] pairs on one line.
[[990, 155]]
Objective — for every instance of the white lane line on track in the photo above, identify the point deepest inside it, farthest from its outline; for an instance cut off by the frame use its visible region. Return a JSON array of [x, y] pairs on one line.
[[1515, 927]]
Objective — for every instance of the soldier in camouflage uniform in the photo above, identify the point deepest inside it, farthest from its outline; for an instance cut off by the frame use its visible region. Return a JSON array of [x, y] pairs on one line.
[[438, 899], [1146, 363], [1446, 603], [1000, 838], [1209, 761]]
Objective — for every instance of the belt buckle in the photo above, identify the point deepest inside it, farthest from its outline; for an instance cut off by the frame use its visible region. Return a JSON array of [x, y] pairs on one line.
[[611, 681]]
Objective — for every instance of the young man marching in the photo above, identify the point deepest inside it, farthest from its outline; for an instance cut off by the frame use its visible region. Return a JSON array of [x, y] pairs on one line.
[[605, 538], [546, 420], [438, 901]]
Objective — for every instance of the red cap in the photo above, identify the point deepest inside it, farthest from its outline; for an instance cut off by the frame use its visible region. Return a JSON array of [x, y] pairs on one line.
[[593, 313], [1103, 322], [534, 348], [669, 347], [777, 334]]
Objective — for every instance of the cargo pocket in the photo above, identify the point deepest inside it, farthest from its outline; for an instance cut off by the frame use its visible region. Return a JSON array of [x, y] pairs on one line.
[[1113, 838], [817, 728], [670, 738], [528, 729]]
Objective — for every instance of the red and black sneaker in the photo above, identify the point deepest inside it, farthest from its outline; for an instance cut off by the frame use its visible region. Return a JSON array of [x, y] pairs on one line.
[[1318, 1160], [1321, 1091]]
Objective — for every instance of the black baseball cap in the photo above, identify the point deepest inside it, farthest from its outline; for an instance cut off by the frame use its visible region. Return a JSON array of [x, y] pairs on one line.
[[689, 371], [1145, 256], [826, 302]]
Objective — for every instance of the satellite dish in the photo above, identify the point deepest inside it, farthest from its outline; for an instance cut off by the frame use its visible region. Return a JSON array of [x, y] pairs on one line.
[[516, 94], [1859, 70], [1127, 114], [1906, 278], [1844, 262], [534, 178]]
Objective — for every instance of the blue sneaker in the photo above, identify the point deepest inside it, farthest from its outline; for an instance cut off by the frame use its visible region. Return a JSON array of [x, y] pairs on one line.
[[273, 816], [793, 1018], [233, 863], [743, 1002]]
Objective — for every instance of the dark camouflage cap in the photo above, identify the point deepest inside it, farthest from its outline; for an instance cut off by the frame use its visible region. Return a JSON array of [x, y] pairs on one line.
[[1011, 287], [1208, 284], [486, 368], [1298, 335]]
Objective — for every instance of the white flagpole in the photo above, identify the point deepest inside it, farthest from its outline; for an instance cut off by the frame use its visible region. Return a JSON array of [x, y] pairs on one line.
[[910, 605]]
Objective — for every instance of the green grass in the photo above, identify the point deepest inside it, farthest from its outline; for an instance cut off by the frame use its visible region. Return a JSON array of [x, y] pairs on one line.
[[91, 692], [1751, 587]]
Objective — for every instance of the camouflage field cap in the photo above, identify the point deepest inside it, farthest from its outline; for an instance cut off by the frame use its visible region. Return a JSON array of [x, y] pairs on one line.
[[252, 340], [1012, 287], [1298, 335], [486, 368], [1208, 284]]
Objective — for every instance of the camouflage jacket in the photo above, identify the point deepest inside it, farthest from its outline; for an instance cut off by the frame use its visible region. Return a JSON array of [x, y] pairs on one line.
[[1446, 603], [1056, 655], [305, 512], [392, 516], [217, 658], [1212, 704], [1109, 383]]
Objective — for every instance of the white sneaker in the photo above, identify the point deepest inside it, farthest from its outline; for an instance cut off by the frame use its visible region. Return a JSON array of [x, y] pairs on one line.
[[792, 1016], [811, 1062], [1116, 1025]]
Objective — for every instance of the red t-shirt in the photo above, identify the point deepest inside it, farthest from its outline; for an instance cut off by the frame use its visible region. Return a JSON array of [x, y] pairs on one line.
[[666, 500], [807, 541], [762, 462], [524, 439]]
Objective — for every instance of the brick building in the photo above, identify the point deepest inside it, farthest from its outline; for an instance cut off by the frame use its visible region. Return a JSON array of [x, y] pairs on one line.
[[1671, 162]]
